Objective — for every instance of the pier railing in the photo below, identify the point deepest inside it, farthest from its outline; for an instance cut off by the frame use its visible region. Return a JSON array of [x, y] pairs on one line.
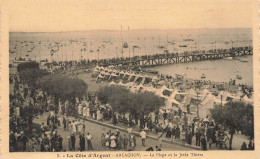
[[162, 59]]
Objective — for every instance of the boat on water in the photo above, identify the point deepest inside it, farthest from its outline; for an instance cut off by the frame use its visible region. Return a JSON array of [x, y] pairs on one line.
[[188, 40], [171, 42], [203, 76], [161, 47], [19, 60], [227, 42], [239, 77], [229, 58]]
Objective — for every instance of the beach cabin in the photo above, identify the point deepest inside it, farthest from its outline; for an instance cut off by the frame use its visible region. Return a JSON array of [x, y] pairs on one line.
[[172, 104], [150, 89], [96, 72], [164, 91], [147, 81], [132, 78], [100, 77], [179, 97], [138, 80], [137, 89], [225, 97], [113, 77], [121, 75], [126, 77]]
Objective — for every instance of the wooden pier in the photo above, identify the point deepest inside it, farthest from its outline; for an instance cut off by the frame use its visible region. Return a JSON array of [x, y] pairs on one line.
[[164, 59]]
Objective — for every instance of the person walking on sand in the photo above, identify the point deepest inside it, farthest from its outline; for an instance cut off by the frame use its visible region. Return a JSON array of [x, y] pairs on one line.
[[107, 138], [143, 136], [82, 142], [89, 138], [103, 140], [73, 141], [131, 142], [64, 122], [203, 143], [113, 141], [125, 142]]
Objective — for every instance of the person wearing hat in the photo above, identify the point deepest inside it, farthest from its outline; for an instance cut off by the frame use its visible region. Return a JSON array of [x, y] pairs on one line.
[[113, 141], [73, 140], [82, 142], [23, 139], [203, 143], [143, 136], [125, 142]]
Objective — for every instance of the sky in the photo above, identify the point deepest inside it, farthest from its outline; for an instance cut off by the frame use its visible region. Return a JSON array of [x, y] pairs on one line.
[[81, 15]]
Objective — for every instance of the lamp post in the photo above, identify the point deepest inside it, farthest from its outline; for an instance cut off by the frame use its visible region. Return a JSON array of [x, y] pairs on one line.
[[197, 102], [221, 97], [98, 55], [116, 52]]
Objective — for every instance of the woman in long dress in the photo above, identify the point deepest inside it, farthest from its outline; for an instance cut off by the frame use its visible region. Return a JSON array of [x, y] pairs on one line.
[[84, 112], [113, 142], [88, 112], [131, 142], [98, 115], [107, 138]]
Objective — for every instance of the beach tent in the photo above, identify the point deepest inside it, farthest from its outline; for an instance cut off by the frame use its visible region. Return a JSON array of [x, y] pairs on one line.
[[122, 84], [112, 77], [150, 89], [164, 90], [121, 74], [226, 97], [138, 79], [147, 80], [208, 101], [170, 103], [126, 76], [161, 83], [247, 100], [191, 94], [205, 92], [206, 104], [138, 88], [223, 94], [180, 97], [132, 77], [112, 83]]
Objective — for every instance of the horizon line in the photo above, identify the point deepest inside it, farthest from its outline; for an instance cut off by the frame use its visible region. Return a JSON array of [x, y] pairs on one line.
[[122, 30]]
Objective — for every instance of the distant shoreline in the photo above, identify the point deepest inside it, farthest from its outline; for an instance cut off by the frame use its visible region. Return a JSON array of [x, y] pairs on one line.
[[108, 30]]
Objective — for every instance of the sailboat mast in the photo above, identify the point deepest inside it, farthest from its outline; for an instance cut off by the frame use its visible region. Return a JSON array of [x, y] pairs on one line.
[[138, 47], [129, 42], [159, 41], [121, 34], [122, 51]]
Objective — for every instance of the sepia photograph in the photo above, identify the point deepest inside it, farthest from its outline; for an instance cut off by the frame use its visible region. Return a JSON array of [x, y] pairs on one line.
[[115, 75]]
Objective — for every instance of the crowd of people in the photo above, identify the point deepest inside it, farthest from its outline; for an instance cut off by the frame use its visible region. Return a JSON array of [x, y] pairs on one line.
[[27, 103], [175, 125]]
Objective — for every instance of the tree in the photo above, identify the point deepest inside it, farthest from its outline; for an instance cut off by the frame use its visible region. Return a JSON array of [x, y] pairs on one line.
[[30, 76], [28, 65], [145, 103], [63, 87], [236, 116], [122, 101], [116, 96]]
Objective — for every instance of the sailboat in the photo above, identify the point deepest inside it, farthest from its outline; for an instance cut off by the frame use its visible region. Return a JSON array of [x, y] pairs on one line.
[[160, 46], [91, 47], [227, 41]]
